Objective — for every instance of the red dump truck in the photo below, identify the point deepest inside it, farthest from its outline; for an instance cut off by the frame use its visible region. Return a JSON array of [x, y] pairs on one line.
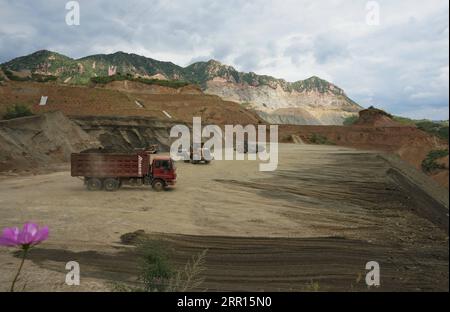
[[109, 171]]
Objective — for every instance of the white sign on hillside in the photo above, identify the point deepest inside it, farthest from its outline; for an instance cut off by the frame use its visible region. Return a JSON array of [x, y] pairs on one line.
[[43, 100]]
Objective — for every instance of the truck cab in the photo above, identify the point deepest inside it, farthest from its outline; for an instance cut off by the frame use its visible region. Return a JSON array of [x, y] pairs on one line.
[[163, 172]]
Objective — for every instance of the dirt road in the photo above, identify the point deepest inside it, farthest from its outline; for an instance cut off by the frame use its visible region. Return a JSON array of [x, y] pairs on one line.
[[321, 216]]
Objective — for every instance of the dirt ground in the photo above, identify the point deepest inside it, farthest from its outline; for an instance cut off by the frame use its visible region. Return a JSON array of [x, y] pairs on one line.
[[320, 217]]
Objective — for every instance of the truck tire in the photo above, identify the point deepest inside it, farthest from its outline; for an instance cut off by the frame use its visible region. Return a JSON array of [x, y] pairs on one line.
[[111, 185], [94, 184], [158, 185]]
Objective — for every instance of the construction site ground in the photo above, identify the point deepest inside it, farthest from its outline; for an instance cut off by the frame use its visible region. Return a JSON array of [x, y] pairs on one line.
[[312, 224]]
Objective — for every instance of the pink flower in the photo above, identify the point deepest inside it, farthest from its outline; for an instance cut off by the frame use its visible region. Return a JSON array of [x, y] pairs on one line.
[[29, 236]]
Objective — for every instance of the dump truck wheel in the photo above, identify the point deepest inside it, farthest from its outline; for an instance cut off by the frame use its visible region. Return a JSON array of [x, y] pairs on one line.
[[158, 185], [94, 184], [111, 185]]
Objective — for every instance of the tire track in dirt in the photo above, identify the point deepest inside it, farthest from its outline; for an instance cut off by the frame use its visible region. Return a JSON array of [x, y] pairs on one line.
[[272, 264]]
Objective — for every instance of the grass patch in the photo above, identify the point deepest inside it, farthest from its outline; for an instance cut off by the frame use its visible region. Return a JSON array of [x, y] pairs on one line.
[[319, 139], [43, 78], [34, 77], [17, 111], [175, 84], [438, 129], [350, 120], [13, 77], [430, 165]]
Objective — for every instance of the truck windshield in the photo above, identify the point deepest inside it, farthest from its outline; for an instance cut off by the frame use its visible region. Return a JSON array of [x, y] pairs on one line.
[[166, 164]]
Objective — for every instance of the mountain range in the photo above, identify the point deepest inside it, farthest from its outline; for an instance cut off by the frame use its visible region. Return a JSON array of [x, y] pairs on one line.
[[309, 101]]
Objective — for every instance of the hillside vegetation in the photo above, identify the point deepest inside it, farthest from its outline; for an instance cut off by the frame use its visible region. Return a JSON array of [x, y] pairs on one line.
[[80, 71], [164, 83]]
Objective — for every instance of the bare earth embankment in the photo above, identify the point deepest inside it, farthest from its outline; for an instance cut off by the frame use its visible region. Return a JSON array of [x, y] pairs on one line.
[[320, 217]]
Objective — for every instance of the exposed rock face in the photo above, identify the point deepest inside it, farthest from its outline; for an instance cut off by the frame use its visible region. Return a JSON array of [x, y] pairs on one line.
[[284, 106], [312, 101], [290, 116]]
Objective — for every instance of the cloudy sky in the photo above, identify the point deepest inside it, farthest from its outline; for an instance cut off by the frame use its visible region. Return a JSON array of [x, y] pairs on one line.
[[400, 64]]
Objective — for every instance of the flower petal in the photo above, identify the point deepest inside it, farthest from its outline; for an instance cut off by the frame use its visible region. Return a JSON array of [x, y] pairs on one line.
[[31, 228], [28, 232], [11, 233], [10, 237], [7, 242], [42, 235]]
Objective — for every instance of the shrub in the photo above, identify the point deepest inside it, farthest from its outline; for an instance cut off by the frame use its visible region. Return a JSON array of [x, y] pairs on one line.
[[319, 139], [156, 270], [189, 279], [17, 111], [13, 77], [429, 164], [157, 273], [43, 78], [350, 120], [438, 129]]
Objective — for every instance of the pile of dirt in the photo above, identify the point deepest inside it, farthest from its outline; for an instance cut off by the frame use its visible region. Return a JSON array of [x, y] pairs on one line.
[[133, 238], [374, 117], [127, 133], [40, 141]]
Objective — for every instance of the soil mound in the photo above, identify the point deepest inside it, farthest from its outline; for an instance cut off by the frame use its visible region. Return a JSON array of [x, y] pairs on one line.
[[42, 140], [376, 118]]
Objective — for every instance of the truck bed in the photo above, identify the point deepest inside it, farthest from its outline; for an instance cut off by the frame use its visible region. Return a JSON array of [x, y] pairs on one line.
[[110, 165]]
